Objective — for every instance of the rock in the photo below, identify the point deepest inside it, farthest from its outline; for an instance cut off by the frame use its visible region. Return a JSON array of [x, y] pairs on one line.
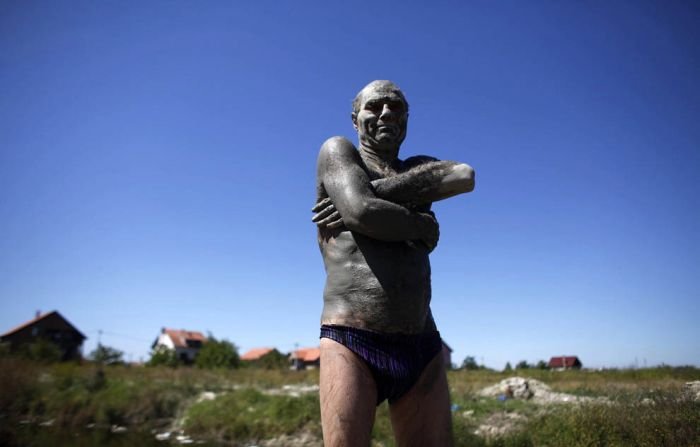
[[163, 436], [206, 395], [692, 389]]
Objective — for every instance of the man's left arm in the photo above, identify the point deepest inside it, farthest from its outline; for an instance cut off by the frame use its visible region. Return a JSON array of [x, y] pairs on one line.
[[425, 181]]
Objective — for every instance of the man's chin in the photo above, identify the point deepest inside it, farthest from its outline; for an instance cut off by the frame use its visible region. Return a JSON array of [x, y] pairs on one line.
[[383, 142]]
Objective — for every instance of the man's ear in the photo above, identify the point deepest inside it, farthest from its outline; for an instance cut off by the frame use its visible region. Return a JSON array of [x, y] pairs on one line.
[[354, 120]]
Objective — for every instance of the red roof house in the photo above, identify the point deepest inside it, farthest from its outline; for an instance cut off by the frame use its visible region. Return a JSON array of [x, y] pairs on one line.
[[186, 344], [256, 354], [305, 358], [565, 362], [268, 358]]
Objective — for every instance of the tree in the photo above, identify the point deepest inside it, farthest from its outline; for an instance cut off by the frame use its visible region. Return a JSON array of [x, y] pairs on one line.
[[542, 365], [106, 355], [273, 360], [163, 356], [469, 363], [217, 354], [522, 365], [508, 367]]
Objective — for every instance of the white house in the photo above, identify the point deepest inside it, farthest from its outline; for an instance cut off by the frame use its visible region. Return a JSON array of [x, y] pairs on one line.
[[186, 344]]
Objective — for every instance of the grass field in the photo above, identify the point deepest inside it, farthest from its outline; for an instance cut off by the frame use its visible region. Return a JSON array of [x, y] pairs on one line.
[[646, 407]]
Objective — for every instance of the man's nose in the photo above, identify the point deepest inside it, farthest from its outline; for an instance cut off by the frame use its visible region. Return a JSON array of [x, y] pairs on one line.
[[387, 113]]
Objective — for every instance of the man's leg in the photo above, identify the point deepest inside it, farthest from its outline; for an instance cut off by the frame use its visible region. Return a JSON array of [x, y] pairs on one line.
[[348, 397], [422, 416]]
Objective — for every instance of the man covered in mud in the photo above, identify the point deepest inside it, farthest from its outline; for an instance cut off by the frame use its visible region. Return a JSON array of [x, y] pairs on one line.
[[378, 337]]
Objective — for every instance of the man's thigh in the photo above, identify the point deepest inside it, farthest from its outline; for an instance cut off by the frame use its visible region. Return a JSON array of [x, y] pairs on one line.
[[348, 397], [422, 416]]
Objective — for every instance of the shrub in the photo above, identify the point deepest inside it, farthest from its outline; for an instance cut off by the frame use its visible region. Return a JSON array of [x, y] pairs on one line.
[[107, 355], [42, 350], [162, 356], [217, 354]]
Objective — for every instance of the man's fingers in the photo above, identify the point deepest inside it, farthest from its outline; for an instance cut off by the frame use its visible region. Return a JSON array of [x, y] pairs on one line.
[[324, 213], [337, 224], [328, 220], [321, 205]]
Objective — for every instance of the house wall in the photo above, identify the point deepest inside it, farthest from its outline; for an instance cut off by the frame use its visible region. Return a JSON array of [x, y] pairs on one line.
[[165, 340], [447, 356], [187, 354]]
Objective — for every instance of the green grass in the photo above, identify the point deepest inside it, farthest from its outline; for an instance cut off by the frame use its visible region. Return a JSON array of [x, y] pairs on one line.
[[251, 415], [645, 407]]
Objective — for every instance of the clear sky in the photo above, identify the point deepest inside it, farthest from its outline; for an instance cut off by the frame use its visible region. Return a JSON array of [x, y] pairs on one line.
[[157, 168]]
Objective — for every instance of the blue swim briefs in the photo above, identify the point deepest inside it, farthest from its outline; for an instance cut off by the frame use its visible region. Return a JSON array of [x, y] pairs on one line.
[[396, 361]]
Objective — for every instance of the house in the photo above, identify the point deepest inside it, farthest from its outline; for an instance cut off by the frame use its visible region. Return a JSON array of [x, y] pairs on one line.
[[268, 358], [564, 362], [186, 344], [305, 358], [257, 353], [447, 354], [51, 326]]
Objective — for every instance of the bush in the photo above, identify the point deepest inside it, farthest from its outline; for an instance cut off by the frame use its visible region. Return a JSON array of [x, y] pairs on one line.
[[43, 351], [522, 365], [217, 354], [107, 355], [162, 356], [469, 363]]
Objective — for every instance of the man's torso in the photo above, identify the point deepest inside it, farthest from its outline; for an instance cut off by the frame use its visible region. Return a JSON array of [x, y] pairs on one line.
[[372, 284]]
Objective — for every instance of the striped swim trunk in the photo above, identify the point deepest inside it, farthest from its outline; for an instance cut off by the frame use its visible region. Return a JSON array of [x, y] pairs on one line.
[[396, 361]]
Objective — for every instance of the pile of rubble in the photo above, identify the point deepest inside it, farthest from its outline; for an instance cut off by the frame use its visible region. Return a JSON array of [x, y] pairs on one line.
[[529, 389], [692, 389]]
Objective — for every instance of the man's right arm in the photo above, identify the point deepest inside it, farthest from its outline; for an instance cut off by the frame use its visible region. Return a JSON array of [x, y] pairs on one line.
[[348, 187]]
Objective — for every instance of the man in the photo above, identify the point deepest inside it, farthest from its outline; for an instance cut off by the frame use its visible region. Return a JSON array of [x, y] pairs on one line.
[[378, 337]]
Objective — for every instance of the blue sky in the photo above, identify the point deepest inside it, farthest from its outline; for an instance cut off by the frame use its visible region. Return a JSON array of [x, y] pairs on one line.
[[157, 168]]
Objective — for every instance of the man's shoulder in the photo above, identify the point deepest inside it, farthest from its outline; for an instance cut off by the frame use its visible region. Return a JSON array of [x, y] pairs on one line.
[[337, 144], [337, 148]]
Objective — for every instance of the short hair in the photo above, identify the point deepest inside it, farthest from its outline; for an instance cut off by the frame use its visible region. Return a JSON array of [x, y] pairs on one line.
[[379, 85]]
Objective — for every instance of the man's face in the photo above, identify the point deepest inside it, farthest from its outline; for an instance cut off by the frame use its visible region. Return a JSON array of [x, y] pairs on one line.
[[381, 120]]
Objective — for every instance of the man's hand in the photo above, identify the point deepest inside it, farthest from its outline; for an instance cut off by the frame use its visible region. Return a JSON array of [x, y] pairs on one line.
[[432, 233], [326, 215]]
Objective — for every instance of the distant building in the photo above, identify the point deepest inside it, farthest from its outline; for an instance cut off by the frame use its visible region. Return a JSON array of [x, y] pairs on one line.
[[52, 327], [186, 344], [305, 358], [447, 354], [268, 358], [564, 362], [258, 353]]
